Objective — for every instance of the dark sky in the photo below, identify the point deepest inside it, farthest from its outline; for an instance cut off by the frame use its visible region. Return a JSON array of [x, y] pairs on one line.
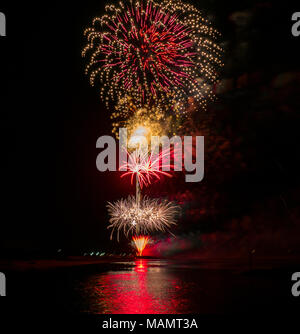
[[52, 194]]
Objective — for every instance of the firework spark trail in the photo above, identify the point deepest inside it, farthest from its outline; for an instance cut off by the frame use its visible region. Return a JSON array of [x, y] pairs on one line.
[[156, 52], [159, 119], [148, 216], [140, 243], [147, 166]]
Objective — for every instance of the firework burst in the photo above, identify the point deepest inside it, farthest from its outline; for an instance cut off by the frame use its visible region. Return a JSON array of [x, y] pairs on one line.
[[159, 121], [140, 243], [146, 166], [141, 217], [157, 52]]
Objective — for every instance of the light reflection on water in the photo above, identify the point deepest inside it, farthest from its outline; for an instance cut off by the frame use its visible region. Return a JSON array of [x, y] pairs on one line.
[[146, 287], [156, 286], [160, 286]]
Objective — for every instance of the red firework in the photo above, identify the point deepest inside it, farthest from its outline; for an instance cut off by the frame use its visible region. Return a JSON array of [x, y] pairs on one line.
[[151, 43], [146, 167], [140, 243], [153, 50]]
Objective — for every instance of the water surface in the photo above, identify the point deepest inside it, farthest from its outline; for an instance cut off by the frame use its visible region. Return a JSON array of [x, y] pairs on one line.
[[146, 286]]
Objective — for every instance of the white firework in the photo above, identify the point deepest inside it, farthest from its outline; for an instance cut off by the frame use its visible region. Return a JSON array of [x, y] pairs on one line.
[[143, 217]]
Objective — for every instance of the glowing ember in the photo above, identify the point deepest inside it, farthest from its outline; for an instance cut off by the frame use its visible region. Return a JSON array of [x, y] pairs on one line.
[[140, 243], [158, 120]]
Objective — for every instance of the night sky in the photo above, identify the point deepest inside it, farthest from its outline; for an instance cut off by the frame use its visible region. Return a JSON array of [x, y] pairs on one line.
[[54, 197]]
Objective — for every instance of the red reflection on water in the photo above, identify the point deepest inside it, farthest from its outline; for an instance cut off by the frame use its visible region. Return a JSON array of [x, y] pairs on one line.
[[140, 243], [140, 266], [143, 290]]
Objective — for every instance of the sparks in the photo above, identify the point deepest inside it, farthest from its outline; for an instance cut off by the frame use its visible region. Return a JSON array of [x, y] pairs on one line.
[[140, 243], [146, 166], [157, 52], [142, 217], [160, 120]]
